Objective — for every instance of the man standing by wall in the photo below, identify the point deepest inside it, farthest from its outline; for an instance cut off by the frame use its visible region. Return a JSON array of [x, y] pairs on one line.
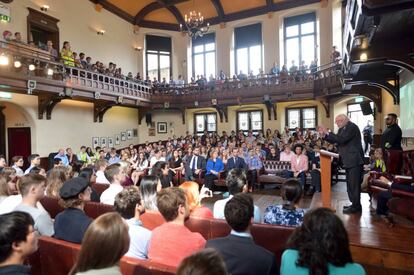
[[351, 155], [391, 137]]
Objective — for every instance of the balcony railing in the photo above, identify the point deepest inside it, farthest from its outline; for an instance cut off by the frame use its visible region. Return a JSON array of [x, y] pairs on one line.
[[305, 84]]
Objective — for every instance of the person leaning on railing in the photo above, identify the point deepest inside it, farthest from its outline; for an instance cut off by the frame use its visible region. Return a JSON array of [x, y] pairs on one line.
[[67, 55]]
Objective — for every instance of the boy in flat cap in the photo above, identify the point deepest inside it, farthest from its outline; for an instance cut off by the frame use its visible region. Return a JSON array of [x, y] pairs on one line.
[[71, 224]]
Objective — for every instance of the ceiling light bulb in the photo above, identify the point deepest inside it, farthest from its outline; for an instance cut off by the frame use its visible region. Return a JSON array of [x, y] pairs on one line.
[[363, 57], [32, 67], [17, 64], [4, 60]]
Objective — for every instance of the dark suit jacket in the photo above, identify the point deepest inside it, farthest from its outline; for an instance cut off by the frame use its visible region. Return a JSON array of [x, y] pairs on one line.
[[243, 256], [392, 135], [201, 162], [240, 163], [349, 145]]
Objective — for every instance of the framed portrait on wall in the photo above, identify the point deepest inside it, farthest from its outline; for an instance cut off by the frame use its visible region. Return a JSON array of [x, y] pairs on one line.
[[161, 127], [117, 139], [123, 136], [110, 142], [103, 142], [129, 134], [151, 132], [95, 142]]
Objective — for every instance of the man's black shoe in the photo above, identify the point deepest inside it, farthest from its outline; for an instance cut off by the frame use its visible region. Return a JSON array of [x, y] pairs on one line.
[[346, 207], [352, 210]]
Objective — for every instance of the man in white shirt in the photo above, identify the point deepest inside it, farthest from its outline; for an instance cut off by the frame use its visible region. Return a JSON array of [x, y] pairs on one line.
[[34, 161], [116, 176], [129, 205], [32, 187], [156, 158], [236, 182], [101, 165]]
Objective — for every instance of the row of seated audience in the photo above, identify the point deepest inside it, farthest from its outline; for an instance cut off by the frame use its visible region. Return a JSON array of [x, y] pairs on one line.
[[121, 233]]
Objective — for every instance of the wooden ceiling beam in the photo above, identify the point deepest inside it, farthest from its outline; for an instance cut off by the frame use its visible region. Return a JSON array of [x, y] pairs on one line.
[[159, 4], [219, 8], [146, 10]]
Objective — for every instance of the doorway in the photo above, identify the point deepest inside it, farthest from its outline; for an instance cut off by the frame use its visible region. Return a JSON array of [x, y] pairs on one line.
[[356, 115], [41, 28], [19, 142]]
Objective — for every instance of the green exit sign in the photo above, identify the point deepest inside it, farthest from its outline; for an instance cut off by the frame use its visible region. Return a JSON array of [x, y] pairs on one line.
[[4, 18], [4, 13]]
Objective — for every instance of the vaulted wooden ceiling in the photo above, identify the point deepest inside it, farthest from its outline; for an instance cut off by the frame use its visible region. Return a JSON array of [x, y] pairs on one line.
[[169, 14]]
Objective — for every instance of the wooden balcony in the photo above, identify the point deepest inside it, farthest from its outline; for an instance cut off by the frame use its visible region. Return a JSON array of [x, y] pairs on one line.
[[54, 82]]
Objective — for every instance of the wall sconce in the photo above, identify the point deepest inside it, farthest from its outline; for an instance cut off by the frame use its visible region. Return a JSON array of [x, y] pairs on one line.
[[100, 32], [139, 48], [44, 8], [363, 57]]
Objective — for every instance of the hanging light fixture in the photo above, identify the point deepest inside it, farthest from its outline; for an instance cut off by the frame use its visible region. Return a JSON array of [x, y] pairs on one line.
[[194, 25], [4, 60]]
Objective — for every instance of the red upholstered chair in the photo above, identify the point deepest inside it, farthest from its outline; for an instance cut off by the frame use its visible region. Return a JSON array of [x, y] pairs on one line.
[[219, 228], [152, 219], [200, 225], [221, 179], [52, 206], [144, 267], [100, 187], [95, 209], [272, 237]]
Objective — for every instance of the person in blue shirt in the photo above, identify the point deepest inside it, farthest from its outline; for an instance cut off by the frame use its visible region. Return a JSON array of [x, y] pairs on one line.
[[254, 164], [213, 168], [319, 246], [287, 214], [62, 156]]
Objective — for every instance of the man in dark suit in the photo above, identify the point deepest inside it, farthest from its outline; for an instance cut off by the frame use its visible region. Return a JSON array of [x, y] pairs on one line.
[[391, 137], [194, 165], [239, 252], [351, 156], [235, 161]]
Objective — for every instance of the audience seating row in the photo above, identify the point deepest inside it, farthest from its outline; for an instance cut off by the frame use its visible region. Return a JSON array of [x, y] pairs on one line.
[[271, 237], [57, 257]]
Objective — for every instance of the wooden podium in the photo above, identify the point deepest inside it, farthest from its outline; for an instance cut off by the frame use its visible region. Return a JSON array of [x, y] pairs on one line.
[[326, 176]]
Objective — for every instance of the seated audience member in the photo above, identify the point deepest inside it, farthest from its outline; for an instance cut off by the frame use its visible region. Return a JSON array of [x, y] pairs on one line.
[[10, 173], [101, 165], [72, 158], [236, 182], [156, 158], [148, 189], [240, 253], [176, 163], [83, 156], [38, 171], [299, 164], [205, 262], [116, 176], [129, 205], [32, 187], [104, 244], [288, 213], [194, 165], [88, 174], [113, 157], [194, 198], [72, 223], [17, 165], [315, 172], [34, 161], [55, 180], [161, 170], [286, 154], [141, 164], [319, 246], [234, 161], [171, 242], [62, 156], [17, 241], [126, 166], [274, 154], [213, 168], [377, 165], [2, 162], [5, 187]]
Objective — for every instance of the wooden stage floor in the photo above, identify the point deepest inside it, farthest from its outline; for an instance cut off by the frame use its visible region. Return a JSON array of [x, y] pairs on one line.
[[380, 248]]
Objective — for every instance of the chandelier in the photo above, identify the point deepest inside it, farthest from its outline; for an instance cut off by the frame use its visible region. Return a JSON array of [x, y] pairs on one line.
[[194, 25]]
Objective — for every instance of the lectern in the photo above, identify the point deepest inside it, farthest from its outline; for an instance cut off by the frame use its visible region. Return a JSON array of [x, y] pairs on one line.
[[326, 176]]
